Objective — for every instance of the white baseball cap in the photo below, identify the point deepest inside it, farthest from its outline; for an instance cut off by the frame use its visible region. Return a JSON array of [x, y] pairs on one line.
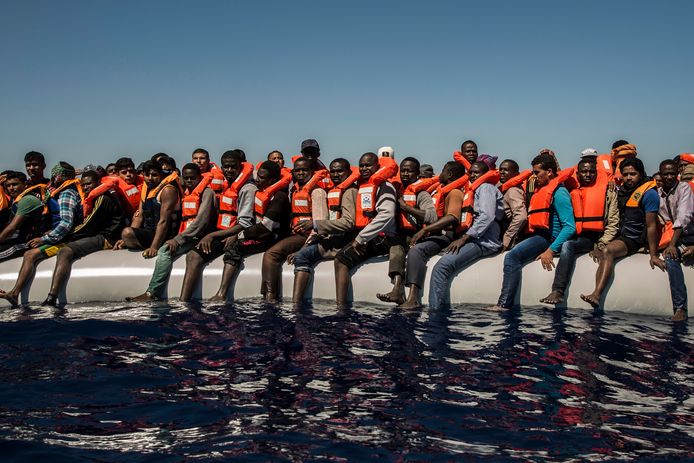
[[386, 151]]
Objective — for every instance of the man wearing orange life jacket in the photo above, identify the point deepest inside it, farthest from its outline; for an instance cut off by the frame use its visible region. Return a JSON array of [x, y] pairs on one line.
[[467, 155], [597, 223], [515, 211], [130, 189], [26, 215], [638, 226], [416, 209], [198, 212], [550, 223], [333, 233], [272, 224], [201, 157], [475, 221], [677, 211], [375, 219], [311, 151], [234, 215], [308, 203], [158, 216]]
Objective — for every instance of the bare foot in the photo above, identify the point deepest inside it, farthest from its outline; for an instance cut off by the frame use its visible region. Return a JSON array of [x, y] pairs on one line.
[[496, 308], [554, 298], [218, 298], [591, 299], [144, 297], [9, 297], [393, 296], [410, 305], [680, 316], [51, 301]]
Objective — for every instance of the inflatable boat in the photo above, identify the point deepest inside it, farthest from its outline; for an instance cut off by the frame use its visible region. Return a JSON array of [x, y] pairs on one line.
[[110, 276]]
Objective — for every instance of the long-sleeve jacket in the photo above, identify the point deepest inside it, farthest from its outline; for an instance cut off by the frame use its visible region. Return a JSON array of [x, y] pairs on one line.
[[202, 222], [515, 213], [70, 214], [611, 219], [348, 207], [489, 210], [106, 219], [677, 206]]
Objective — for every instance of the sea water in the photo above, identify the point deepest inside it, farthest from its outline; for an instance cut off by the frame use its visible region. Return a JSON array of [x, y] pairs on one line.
[[247, 381]]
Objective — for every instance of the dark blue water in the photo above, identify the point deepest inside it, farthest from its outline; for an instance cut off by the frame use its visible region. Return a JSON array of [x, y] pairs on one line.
[[258, 383]]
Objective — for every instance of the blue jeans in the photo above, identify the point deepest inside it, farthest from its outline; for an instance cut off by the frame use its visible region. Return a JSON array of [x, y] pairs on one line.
[[307, 258], [524, 252], [570, 251], [447, 267], [678, 290]]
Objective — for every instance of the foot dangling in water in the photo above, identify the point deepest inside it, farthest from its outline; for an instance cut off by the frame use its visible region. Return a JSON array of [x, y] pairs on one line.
[[554, 298], [591, 299], [393, 296], [9, 297]]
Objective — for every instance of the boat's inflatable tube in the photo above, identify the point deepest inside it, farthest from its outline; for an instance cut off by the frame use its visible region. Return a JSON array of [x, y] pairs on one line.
[[113, 275]]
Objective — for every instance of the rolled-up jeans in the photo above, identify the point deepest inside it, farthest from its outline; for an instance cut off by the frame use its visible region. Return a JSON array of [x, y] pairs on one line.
[[524, 252], [419, 255], [447, 267], [307, 258]]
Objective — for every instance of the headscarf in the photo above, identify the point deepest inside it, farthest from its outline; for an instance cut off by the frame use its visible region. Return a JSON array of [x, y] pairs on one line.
[[488, 159]]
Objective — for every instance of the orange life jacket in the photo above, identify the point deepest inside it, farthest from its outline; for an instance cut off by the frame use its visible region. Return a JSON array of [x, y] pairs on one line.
[[335, 194], [41, 187], [666, 234], [263, 197], [190, 204], [439, 196], [228, 200], [171, 179], [325, 183], [467, 212], [519, 181], [128, 195], [434, 186], [366, 195], [461, 159], [301, 197], [589, 205], [5, 200], [538, 211], [409, 196], [217, 182]]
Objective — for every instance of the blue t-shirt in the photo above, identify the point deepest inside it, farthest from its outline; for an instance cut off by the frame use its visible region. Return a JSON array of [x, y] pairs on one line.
[[650, 201]]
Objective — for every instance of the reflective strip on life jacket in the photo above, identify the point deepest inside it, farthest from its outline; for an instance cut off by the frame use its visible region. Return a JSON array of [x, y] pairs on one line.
[[217, 181], [539, 210]]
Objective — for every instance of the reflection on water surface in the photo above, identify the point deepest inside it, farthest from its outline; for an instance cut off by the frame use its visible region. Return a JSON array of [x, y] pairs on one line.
[[126, 383]]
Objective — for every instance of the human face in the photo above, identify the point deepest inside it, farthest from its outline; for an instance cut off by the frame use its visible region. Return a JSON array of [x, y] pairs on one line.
[[128, 174], [445, 176], [277, 157], [190, 179], [506, 172], [111, 170], [543, 176], [630, 176], [202, 160], [475, 172], [34, 168], [368, 165], [14, 187], [302, 172], [231, 169], [263, 179], [152, 177], [470, 152], [669, 175], [312, 155], [658, 180], [587, 173], [338, 172], [89, 183], [408, 172]]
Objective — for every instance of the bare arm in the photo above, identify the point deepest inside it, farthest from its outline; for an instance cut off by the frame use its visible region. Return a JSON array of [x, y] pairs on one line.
[[169, 199], [12, 227]]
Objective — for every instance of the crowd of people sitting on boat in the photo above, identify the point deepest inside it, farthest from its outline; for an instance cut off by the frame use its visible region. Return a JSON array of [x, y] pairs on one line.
[[605, 205]]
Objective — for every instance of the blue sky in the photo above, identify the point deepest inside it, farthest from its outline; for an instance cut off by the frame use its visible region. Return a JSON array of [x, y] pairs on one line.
[[88, 81]]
